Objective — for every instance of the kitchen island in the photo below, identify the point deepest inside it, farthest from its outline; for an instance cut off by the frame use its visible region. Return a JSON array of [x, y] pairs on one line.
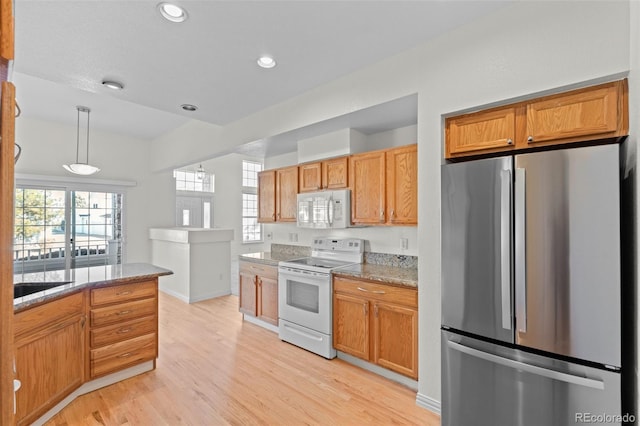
[[87, 328]]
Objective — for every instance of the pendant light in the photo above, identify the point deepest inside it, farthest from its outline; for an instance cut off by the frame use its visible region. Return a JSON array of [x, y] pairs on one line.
[[200, 172], [78, 167]]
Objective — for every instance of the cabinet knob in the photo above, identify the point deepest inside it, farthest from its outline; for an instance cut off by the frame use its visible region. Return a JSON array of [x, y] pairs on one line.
[[381, 215], [509, 141], [273, 216], [530, 139]]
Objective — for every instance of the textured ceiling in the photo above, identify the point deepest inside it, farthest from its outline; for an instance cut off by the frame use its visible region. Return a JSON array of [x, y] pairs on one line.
[[64, 49]]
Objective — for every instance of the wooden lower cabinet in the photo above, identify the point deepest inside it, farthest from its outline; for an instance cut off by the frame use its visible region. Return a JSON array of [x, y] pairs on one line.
[[259, 291], [377, 322], [58, 347], [50, 353], [124, 327]]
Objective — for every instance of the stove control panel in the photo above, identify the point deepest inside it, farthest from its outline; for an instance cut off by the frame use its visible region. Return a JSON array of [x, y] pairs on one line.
[[352, 245]]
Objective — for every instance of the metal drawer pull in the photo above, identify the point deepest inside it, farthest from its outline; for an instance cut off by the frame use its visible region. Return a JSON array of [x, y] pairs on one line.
[[123, 293], [371, 291], [124, 312], [128, 354], [124, 330]]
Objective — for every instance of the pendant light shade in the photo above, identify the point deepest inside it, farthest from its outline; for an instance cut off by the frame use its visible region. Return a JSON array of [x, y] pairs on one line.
[[79, 168]]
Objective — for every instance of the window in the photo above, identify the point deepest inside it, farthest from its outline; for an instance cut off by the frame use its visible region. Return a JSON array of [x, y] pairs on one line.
[[251, 229], [59, 228], [187, 180], [194, 199]]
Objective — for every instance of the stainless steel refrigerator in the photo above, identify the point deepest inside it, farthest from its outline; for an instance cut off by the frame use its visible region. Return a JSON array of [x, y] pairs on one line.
[[531, 289]]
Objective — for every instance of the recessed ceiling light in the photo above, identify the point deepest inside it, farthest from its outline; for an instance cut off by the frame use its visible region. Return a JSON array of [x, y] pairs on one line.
[[172, 12], [111, 84], [266, 62], [189, 107]]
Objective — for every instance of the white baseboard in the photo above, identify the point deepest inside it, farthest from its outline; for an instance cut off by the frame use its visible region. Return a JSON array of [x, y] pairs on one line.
[[391, 375], [199, 298], [94, 385], [207, 296], [175, 294], [429, 403], [257, 321]]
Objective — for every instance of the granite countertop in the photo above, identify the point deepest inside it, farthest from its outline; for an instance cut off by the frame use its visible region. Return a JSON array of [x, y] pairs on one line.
[[270, 258], [395, 275], [78, 278]]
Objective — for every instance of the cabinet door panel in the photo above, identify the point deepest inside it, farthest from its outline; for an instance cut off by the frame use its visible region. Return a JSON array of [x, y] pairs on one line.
[[267, 196], [589, 112], [268, 300], [248, 301], [367, 177], [402, 185], [479, 132], [310, 176], [287, 194], [335, 173], [351, 325], [395, 341], [50, 365]]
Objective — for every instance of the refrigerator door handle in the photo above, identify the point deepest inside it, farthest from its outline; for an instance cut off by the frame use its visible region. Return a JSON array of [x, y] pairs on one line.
[[505, 247], [520, 250], [528, 368]]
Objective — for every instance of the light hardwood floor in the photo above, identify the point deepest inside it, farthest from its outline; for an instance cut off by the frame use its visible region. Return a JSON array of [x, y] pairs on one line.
[[215, 369]]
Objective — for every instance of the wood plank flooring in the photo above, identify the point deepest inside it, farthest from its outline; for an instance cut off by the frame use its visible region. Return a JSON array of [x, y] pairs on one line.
[[215, 369]]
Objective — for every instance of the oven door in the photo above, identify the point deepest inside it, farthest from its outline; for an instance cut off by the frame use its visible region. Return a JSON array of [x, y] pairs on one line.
[[304, 298]]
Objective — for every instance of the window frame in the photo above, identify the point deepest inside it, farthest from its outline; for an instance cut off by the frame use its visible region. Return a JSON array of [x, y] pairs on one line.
[[250, 190], [74, 184]]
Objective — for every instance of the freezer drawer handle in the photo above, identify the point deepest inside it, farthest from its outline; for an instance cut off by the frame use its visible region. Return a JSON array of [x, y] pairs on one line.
[[539, 371], [505, 247]]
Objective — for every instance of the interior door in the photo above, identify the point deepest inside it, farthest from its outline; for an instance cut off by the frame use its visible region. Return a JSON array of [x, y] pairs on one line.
[[476, 247]]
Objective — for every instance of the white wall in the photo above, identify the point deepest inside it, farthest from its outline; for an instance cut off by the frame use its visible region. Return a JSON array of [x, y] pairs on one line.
[[47, 146], [528, 48]]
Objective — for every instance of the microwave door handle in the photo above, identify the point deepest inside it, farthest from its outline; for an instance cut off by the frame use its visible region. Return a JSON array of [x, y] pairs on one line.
[[330, 208]]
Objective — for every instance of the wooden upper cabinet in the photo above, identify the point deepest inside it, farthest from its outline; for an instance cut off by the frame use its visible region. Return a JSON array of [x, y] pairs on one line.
[[597, 112], [327, 174], [402, 185], [367, 177], [481, 132], [335, 173], [278, 195], [267, 196], [286, 194], [6, 30], [310, 177]]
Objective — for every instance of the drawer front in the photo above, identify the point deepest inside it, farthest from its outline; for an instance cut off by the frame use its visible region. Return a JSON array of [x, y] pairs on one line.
[[123, 354], [259, 269], [122, 312], [122, 331], [48, 313], [122, 293], [383, 292]]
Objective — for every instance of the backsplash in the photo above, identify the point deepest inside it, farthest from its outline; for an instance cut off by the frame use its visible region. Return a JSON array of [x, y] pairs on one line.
[[385, 259], [291, 250]]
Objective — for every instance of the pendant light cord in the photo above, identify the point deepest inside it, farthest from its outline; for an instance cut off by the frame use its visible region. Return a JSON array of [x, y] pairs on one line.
[[88, 115], [78, 136]]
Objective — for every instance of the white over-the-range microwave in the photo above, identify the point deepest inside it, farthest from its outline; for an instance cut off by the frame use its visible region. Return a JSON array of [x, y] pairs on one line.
[[325, 209]]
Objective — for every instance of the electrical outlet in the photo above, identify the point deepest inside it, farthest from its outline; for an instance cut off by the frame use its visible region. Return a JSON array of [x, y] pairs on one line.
[[404, 243], [294, 237]]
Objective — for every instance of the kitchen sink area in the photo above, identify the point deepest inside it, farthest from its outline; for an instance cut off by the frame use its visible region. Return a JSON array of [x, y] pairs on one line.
[[27, 288]]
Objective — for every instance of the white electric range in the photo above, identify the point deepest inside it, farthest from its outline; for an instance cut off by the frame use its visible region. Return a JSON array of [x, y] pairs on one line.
[[305, 293]]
